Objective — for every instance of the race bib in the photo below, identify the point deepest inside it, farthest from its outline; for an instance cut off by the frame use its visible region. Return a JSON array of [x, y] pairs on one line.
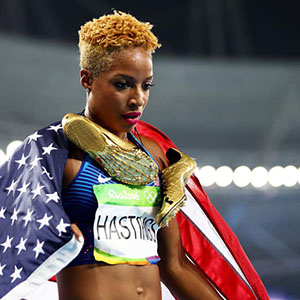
[[124, 228]]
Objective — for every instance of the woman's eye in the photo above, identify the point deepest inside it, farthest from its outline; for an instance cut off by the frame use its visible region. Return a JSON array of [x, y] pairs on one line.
[[122, 85], [147, 86]]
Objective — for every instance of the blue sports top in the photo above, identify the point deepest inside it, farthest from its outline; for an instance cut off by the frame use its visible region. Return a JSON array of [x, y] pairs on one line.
[[80, 203]]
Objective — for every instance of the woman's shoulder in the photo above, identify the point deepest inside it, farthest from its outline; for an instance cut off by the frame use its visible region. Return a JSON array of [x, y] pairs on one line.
[[156, 151]]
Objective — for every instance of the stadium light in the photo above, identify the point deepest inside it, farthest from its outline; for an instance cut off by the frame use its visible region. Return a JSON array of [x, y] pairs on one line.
[[290, 176], [224, 176], [242, 176], [275, 176], [2, 157], [259, 177], [12, 146], [206, 175]]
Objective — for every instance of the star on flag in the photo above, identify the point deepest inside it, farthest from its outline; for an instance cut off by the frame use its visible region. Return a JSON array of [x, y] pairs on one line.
[[21, 245], [34, 163], [48, 149], [22, 161], [7, 243], [55, 128], [54, 196], [61, 227], [1, 269], [2, 212], [14, 217], [38, 249], [27, 218], [24, 187], [47, 173], [16, 274], [44, 221], [34, 137], [37, 190], [11, 188]]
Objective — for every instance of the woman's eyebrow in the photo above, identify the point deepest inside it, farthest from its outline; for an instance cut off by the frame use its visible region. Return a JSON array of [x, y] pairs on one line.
[[128, 77]]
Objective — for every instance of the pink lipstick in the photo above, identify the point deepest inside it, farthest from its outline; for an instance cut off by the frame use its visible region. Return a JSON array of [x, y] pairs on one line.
[[132, 117]]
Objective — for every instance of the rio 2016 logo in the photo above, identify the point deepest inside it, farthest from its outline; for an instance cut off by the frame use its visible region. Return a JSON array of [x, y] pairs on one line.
[[150, 196], [123, 195]]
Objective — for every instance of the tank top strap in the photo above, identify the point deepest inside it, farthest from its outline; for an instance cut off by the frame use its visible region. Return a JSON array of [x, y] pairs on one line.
[[133, 139]]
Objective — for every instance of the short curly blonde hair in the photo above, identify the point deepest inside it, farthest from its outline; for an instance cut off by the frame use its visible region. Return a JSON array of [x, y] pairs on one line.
[[100, 39]]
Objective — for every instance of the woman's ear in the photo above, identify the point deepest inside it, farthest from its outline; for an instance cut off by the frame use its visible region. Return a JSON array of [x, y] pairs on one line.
[[86, 79]]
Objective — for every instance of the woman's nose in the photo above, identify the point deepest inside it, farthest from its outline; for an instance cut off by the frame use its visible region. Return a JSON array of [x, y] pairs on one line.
[[137, 98]]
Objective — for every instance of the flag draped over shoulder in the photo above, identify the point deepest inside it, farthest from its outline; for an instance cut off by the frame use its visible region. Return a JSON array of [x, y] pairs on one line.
[[36, 239], [208, 240]]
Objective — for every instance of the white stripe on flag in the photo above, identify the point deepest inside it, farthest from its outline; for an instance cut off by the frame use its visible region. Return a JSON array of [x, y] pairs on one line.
[[199, 218]]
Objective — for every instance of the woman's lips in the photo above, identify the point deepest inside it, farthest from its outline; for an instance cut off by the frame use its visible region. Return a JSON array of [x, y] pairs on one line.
[[132, 117]]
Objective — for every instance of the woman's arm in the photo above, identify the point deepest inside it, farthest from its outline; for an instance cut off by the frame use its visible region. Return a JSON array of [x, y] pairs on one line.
[[178, 273]]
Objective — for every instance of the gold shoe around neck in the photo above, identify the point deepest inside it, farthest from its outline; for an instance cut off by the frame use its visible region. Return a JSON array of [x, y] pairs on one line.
[[174, 179], [120, 159]]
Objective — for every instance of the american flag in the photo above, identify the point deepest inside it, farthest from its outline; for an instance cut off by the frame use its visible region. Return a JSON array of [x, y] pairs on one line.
[[36, 239]]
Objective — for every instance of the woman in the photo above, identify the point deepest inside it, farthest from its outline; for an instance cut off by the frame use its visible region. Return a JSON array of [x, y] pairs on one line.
[[117, 73]]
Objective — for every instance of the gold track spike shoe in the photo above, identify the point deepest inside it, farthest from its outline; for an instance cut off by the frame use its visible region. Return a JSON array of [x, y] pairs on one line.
[[174, 179], [119, 158]]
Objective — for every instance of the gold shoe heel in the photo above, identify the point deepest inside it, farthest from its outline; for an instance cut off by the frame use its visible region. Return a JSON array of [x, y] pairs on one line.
[[174, 179]]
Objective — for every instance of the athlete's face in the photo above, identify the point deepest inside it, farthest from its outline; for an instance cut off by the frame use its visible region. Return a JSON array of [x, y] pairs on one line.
[[118, 97]]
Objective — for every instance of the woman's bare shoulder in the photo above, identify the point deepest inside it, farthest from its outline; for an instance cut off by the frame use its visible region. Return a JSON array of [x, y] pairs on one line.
[[156, 151]]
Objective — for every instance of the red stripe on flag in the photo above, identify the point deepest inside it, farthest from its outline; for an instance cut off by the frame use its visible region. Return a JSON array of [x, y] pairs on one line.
[[211, 262]]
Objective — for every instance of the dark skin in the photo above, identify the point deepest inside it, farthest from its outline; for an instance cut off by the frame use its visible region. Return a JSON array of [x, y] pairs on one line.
[[123, 89]]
